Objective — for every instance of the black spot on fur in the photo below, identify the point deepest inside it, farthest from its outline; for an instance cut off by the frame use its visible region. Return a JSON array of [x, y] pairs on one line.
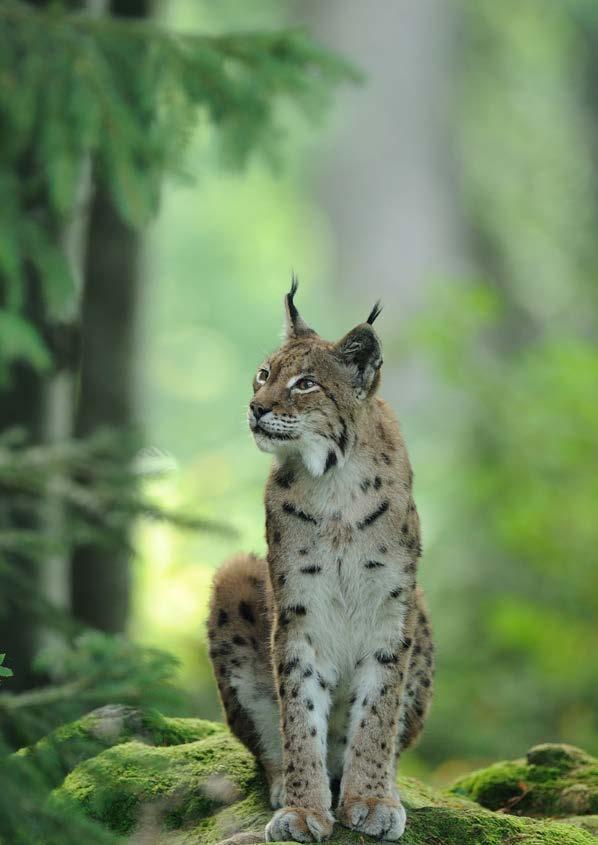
[[365, 485], [246, 612], [386, 659], [282, 579], [394, 594], [371, 518], [342, 437], [238, 640], [377, 482], [386, 458], [311, 570], [331, 460], [299, 514], [309, 704], [374, 564], [287, 668], [222, 618], [276, 537], [382, 550], [302, 551], [285, 477]]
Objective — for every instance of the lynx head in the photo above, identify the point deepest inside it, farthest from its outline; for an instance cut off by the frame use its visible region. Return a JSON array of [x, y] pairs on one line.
[[309, 394]]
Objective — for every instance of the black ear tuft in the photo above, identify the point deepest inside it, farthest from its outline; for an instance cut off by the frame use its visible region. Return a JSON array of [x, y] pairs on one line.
[[295, 325], [374, 313], [293, 313]]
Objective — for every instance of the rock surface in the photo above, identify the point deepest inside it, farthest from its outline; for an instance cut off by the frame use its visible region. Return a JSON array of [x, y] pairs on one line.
[[162, 781]]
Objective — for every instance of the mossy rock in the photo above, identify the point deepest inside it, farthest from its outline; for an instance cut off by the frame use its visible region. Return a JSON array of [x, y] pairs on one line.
[[67, 746], [553, 780], [189, 782]]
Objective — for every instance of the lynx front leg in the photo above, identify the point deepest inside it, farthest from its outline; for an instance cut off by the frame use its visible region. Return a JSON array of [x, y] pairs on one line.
[[304, 694], [369, 800]]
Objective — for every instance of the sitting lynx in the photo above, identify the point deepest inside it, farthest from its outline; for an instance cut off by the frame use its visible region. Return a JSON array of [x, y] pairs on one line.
[[323, 653]]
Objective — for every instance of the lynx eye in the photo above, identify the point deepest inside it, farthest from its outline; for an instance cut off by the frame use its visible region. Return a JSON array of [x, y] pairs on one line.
[[262, 376], [305, 384]]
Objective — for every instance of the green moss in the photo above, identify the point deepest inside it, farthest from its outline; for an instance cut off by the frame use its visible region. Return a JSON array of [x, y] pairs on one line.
[[195, 785], [64, 748], [189, 780], [553, 780]]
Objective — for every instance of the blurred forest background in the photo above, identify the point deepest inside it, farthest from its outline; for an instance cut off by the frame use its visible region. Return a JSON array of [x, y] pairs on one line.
[[156, 192]]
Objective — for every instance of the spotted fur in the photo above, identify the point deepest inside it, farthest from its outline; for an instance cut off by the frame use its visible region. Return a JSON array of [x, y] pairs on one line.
[[323, 653]]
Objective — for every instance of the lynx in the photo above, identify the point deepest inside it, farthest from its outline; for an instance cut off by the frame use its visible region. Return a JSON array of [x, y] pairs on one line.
[[323, 652]]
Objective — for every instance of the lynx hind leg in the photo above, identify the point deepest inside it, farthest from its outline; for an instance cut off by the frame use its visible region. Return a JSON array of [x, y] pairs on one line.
[[239, 635], [417, 693]]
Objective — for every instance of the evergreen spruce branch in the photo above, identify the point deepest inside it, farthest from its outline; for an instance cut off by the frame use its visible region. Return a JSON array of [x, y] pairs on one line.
[[19, 587], [126, 94], [122, 67], [54, 470]]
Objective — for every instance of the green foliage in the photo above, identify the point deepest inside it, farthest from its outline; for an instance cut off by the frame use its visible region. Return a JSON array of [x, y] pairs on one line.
[[93, 481], [515, 558], [126, 95], [5, 672], [86, 672]]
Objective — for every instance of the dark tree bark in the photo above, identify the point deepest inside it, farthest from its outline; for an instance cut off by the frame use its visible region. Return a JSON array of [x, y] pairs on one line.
[[100, 575]]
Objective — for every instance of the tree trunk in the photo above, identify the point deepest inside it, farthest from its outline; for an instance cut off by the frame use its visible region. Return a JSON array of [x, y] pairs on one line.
[[101, 576], [388, 182]]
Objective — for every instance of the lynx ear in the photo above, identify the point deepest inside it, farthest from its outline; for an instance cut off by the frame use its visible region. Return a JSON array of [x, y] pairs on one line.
[[361, 352], [295, 325]]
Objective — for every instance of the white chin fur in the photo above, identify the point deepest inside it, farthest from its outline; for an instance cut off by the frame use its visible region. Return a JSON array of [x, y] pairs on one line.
[[313, 450], [264, 443]]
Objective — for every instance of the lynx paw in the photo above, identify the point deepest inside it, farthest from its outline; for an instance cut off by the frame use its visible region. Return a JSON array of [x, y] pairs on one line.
[[299, 825], [379, 817]]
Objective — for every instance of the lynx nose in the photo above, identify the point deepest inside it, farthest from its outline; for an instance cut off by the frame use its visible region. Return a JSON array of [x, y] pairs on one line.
[[258, 410]]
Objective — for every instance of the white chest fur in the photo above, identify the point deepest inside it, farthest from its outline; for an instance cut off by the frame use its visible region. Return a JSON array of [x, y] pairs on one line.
[[342, 569]]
